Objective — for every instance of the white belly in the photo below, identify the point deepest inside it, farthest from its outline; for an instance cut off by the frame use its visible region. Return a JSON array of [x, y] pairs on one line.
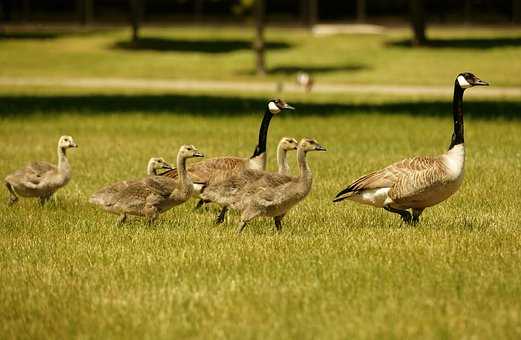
[[374, 197]]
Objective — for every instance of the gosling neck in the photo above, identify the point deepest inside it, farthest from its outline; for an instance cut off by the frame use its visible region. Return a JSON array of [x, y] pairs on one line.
[[258, 158], [282, 160], [457, 111], [181, 170], [63, 162], [151, 170], [305, 171]]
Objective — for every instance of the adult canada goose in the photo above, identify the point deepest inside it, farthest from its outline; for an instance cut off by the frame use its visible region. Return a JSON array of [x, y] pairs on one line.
[[219, 168], [154, 164], [41, 179], [151, 195], [420, 182], [260, 193], [286, 144]]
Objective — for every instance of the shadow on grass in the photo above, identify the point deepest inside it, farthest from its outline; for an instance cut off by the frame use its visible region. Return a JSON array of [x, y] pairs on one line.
[[288, 70], [470, 43], [45, 35], [183, 45], [203, 105]]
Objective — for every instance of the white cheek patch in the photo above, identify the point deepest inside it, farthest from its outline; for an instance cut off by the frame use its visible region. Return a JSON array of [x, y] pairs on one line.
[[273, 108], [463, 82]]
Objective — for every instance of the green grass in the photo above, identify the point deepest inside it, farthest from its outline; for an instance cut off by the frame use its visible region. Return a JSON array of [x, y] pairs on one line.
[[225, 54], [336, 271]]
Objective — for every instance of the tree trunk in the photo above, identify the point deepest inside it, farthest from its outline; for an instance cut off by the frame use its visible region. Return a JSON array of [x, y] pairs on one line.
[[312, 12], [516, 11], [304, 12], [259, 45], [136, 13], [85, 11], [26, 10], [417, 17], [360, 10], [467, 11], [198, 10]]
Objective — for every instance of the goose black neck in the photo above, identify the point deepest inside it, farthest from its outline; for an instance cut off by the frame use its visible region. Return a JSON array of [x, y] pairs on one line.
[[263, 134], [457, 110]]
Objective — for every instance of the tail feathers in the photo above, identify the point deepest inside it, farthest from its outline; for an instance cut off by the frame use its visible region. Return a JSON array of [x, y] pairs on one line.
[[344, 194]]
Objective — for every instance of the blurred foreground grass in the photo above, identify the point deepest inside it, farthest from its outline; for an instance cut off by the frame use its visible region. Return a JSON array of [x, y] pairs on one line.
[[336, 271]]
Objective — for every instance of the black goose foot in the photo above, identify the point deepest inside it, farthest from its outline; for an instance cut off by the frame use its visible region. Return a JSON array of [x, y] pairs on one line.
[[220, 217], [406, 217]]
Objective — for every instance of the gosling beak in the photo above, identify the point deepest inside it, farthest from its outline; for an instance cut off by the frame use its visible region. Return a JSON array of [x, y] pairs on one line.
[[480, 82], [288, 107], [198, 154], [320, 148], [167, 167], [74, 145]]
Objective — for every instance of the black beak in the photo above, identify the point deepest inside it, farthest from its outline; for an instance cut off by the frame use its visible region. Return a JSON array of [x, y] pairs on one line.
[[198, 154], [287, 106], [320, 148], [480, 82]]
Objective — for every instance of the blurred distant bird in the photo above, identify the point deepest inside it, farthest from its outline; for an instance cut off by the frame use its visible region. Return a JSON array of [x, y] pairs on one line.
[[305, 80]]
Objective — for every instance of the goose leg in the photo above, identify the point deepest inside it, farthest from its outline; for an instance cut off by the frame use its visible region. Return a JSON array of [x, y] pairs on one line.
[[152, 218], [44, 199], [406, 216], [278, 222], [416, 215], [246, 217], [200, 204], [12, 197], [242, 225], [222, 214], [122, 218]]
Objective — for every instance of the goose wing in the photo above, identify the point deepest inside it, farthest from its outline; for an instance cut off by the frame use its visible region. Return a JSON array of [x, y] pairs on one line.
[[268, 189], [33, 175], [213, 169], [387, 177], [162, 186]]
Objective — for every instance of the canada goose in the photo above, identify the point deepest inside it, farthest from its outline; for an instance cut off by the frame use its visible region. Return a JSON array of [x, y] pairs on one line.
[[286, 144], [154, 164], [261, 193], [41, 179], [420, 182], [151, 195], [219, 168]]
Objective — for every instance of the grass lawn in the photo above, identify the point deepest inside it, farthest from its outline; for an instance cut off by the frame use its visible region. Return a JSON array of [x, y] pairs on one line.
[[336, 271], [224, 54]]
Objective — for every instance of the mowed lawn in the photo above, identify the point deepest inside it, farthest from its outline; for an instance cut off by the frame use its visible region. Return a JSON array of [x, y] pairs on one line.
[[213, 53], [336, 271]]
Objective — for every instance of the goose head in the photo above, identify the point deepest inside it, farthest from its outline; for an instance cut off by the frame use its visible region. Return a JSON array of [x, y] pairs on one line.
[[189, 151], [467, 79], [288, 143], [158, 163], [310, 144], [277, 105], [66, 142]]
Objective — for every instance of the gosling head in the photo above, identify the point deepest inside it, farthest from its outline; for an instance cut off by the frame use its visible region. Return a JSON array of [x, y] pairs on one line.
[[467, 79], [288, 143], [158, 163], [66, 142], [277, 105], [189, 151], [310, 144]]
